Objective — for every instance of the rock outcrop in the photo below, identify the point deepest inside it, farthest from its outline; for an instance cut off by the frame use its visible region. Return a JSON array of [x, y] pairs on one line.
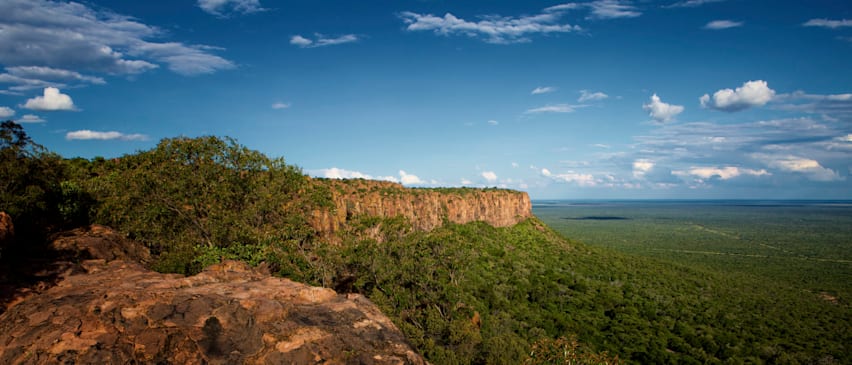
[[119, 312], [98, 242], [426, 209]]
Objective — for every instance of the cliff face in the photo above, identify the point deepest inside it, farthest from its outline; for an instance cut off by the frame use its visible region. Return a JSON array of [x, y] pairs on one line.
[[425, 209]]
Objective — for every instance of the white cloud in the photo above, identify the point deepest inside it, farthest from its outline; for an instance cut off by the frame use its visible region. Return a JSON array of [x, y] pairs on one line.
[[641, 167], [585, 96], [543, 90], [103, 136], [515, 164], [300, 41], [722, 24], [52, 100], [53, 39], [36, 77], [612, 9], [601, 145], [494, 29], [558, 108], [812, 169], [466, 182], [660, 111], [30, 118], [321, 40], [280, 105], [724, 173], [489, 176], [493, 122], [585, 180], [692, 3], [828, 23], [336, 173], [409, 179], [752, 93], [224, 7], [6, 112]]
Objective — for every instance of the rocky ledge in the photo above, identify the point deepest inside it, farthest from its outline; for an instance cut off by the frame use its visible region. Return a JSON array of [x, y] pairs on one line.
[[119, 312]]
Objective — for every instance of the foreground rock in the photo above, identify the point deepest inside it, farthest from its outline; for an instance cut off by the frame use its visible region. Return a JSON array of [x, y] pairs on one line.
[[119, 312]]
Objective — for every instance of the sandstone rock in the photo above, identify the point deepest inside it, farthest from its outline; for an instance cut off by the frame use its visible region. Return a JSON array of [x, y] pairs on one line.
[[99, 242], [7, 230], [119, 312], [426, 209]]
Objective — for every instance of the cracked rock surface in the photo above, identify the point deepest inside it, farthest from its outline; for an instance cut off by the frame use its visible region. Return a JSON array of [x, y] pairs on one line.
[[120, 312]]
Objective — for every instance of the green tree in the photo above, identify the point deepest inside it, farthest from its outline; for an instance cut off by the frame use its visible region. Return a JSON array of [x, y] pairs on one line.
[[30, 183], [191, 198]]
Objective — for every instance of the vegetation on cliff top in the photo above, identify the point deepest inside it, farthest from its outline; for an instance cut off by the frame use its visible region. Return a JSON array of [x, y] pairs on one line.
[[462, 294]]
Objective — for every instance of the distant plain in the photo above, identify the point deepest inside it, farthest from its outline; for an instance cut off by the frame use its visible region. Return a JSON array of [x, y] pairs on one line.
[[803, 245]]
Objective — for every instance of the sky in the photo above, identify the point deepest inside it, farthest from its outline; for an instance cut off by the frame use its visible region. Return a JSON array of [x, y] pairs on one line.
[[601, 99]]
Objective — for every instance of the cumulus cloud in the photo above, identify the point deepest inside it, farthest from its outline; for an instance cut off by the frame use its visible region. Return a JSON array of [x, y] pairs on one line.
[[489, 176], [493, 122], [6, 112], [86, 134], [586, 95], [225, 7], [280, 105], [409, 179], [723, 173], [660, 111], [321, 40], [336, 173], [751, 93], [52, 100], [48, 39], [558, 108], [722, 24], [828, 23], [641, 167], [493, 29], [812, 169], [543, 90], [584, 180], [30, 118]]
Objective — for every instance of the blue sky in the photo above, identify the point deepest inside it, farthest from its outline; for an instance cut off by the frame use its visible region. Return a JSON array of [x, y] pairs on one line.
[[589, 99]]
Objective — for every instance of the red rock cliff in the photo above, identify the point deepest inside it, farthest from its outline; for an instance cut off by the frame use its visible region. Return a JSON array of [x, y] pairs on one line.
[[426, 209]]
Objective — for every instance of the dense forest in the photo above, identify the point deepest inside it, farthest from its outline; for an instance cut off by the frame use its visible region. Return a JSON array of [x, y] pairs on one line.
[[462, 294]]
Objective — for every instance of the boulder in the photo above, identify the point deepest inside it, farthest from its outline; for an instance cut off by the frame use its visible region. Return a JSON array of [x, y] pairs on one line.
[[99, 242], [120, 312]]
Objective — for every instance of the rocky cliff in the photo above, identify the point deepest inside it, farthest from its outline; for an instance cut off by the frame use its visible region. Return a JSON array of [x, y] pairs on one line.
[[425, 209], [118, 312]]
